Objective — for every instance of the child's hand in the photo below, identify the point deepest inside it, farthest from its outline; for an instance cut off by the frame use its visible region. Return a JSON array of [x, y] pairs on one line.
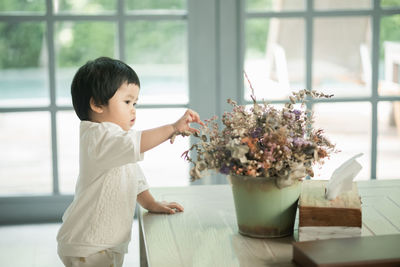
[[165, 207], [182, 125]]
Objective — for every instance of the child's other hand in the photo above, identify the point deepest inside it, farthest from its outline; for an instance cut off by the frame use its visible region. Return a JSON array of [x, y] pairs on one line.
[[182, 125], [165, 207]]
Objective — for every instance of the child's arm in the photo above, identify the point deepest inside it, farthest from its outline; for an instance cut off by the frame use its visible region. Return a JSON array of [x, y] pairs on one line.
[[154, 137], [147, 201]]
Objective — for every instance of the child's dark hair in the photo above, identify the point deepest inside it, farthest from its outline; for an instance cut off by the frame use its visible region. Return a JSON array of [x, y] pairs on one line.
[[99, 79]]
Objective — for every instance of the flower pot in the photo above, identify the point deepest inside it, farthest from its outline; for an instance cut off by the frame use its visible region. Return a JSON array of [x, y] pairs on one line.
[[262, 209]]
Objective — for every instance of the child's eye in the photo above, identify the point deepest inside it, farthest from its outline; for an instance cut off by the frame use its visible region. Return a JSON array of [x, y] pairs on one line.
[[134, 104], [128, 102]]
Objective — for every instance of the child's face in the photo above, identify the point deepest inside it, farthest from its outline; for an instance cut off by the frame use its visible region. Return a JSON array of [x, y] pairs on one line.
[[121, 108]]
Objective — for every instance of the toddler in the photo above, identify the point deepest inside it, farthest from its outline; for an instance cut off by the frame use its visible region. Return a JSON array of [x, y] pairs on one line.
[[97, 225]]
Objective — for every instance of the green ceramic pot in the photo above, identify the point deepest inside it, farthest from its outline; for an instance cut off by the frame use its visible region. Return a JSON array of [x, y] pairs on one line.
[[262, 209]]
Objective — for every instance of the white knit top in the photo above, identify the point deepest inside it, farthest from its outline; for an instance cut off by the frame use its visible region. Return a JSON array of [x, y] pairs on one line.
[[101, 214]]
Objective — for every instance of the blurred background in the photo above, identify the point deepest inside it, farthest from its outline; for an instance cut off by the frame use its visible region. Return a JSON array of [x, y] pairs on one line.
[[191, 54]]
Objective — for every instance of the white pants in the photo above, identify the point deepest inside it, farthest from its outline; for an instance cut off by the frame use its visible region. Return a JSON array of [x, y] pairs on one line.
[[104, 258]]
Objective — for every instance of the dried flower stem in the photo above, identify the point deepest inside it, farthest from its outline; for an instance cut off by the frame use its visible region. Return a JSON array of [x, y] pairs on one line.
[[253, 96]]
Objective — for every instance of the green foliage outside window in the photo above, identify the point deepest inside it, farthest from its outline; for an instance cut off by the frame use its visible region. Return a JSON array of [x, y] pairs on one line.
[[21, 44], [92, 6], [155, 4], [390, 3], [23, 5], [259, 4], [155, 42], [390, 30], [90, 40], [256, 37]]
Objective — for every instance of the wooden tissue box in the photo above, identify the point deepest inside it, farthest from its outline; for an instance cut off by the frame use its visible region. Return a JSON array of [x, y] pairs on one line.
[[320, 218]]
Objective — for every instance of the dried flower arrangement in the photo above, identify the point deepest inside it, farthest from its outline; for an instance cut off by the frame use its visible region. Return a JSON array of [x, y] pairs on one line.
[[262, 142]]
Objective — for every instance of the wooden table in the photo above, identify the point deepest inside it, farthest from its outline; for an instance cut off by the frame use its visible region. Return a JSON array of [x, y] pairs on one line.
[[206, 234]]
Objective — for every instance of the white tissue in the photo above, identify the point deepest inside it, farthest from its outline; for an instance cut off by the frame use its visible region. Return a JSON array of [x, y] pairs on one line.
[[342, 178]]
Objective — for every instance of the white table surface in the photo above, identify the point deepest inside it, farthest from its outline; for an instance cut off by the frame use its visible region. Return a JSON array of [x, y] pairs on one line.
[[206, 234]]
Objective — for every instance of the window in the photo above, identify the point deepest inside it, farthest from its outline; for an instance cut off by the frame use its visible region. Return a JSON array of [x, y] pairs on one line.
[[42, 45], [347, 48]]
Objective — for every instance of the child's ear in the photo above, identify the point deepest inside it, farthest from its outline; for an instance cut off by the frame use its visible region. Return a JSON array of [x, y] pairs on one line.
[[94, 106]]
